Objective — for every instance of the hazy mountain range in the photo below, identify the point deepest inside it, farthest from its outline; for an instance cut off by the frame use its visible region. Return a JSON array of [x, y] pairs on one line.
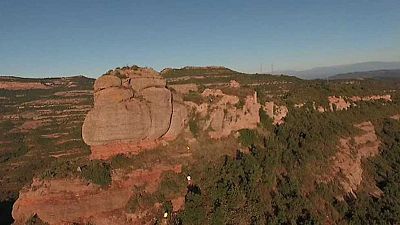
[[376, 74], [327, 71]]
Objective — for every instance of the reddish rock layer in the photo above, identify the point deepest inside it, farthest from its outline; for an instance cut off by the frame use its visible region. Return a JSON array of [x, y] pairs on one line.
[[75, 201]]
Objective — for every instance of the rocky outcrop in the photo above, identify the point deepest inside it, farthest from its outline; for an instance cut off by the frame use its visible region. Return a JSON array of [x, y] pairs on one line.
[[61, 201], [338, 103], [177, 124], [132, 105], [276, 112], [347, 162], [371, 98], [321, 109], [107, 81], [341, 103], [225, 115], [112, 95], [184, 88], [234, 84], [395, 117]]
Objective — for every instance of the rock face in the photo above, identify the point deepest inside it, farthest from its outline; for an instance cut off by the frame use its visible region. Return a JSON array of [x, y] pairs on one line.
[[106, 81], [184, 88], [61, 201], [132, 105], [234, 84], [276, 112], [225, 115], [347, 162], [340, 103], [177, 124]]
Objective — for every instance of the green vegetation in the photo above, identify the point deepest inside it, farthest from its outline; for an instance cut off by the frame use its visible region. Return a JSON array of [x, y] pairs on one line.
[[194, 127], [198, 71], [193, 97], [247, 137], [277, 182], [97, 172], [36, 125], [265, 120], [141, 200], [385, 168]]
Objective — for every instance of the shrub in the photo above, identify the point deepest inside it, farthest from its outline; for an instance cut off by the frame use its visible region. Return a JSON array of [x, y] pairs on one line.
[[194, 127], [141, 200], [247, 137], [120, 161], [265, 120], [97, 172], [193, 97]]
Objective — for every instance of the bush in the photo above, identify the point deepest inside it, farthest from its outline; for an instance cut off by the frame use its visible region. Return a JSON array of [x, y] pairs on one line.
[[120, 161], [97, 172], [194, 127], [265, 120], [193, 96], [247, 137]]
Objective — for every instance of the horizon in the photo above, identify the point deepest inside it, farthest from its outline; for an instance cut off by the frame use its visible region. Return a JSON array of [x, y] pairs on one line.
[[277, 73], [66, 38]]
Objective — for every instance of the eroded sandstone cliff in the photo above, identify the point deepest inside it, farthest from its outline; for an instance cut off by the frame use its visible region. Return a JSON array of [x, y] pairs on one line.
[[132, 105]]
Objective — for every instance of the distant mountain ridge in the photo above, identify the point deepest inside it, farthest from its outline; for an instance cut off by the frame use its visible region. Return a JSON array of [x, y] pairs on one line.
[[197, 71], [327, 71], [377, 74]]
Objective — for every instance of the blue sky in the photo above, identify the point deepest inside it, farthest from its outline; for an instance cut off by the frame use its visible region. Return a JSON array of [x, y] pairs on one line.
[[66, 37]]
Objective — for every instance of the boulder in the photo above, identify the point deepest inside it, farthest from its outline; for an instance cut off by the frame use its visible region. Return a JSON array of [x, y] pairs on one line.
[[142, 78], [117, 122], [106, 81], [139, 83], [112, 95]]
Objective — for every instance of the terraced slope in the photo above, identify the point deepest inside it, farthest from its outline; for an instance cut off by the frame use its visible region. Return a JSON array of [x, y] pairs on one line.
[[40, 122]]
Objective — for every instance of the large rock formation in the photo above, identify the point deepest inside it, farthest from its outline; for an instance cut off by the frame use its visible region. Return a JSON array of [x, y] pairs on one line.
[[132, 105], [347, 162], [224, 114]]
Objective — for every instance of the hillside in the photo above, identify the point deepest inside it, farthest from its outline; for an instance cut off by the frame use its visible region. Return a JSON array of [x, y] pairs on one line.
[[195, 71], [40, 124], [376, 74], [258, 149]]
